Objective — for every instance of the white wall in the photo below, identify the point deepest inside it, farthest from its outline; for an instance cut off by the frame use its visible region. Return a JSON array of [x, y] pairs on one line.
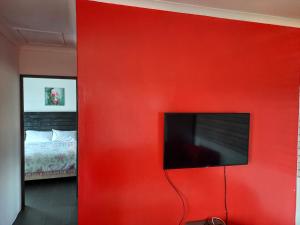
[[34, 94], [48, 61], [298, 175], [10, 184], [298, 202]]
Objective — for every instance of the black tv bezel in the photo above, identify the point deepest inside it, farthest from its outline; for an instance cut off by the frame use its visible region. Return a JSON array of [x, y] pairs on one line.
[[193, 167]]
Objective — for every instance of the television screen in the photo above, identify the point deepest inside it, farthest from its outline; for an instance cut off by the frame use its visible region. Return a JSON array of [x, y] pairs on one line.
[[205, 139]]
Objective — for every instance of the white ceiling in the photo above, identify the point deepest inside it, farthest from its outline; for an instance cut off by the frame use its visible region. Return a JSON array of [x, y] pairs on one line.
[[281, 8], [40, 22], [278, 12], [53, 22]]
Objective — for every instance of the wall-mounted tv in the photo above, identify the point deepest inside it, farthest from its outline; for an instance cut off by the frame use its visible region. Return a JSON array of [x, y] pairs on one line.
[[205, 139]]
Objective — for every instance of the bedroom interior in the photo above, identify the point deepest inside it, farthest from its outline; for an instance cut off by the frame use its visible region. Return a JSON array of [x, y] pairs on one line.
[[187, 112], [50, 127]]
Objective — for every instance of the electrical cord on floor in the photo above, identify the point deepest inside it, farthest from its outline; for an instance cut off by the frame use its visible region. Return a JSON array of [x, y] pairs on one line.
[[225, 195], [183, 201], [219, 220], [180, 196]]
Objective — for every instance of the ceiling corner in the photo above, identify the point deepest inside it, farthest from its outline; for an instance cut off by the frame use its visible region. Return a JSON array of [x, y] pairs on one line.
[[9, 34]]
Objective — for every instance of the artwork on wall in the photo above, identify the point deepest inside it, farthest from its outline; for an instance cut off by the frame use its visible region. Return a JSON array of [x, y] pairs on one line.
[[54, 96]]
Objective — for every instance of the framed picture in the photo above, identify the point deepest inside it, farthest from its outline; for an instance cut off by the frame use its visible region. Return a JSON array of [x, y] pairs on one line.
[[54, 96]]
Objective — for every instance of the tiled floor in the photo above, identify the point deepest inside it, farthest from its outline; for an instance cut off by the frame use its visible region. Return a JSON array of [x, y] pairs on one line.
[[51, 202]]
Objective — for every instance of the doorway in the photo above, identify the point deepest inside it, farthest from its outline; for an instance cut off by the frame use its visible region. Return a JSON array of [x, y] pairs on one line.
[[49, 152]]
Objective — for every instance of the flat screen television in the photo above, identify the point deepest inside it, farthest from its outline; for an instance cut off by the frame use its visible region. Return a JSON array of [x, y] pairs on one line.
[[205, 139]]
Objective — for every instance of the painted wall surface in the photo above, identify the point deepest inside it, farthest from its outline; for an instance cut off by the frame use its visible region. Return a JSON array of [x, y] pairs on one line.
[[298, 202], [48, 61], [298, 177], [10, 178], [34, 95], [134, 65]]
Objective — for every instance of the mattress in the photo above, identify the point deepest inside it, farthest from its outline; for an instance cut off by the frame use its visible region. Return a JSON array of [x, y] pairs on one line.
[[50, 159]]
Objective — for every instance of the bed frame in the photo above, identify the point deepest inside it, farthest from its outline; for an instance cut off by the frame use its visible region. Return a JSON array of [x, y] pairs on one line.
[[46, 121]]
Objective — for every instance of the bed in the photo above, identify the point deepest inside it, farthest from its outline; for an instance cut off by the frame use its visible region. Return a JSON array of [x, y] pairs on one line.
[[50, 148], [44, 160]]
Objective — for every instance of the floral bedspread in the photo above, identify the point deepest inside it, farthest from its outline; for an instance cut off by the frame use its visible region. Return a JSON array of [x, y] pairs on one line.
[[50, 156]]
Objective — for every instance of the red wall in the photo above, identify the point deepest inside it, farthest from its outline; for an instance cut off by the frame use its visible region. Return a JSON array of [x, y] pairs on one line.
[[134, 65]]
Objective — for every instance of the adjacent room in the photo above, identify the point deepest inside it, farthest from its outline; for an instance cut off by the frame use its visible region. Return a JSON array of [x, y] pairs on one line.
[[50, 127], [169, 112]]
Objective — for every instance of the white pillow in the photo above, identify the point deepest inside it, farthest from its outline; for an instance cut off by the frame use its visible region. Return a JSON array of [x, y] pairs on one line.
[[33, 136], [59, 135]]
